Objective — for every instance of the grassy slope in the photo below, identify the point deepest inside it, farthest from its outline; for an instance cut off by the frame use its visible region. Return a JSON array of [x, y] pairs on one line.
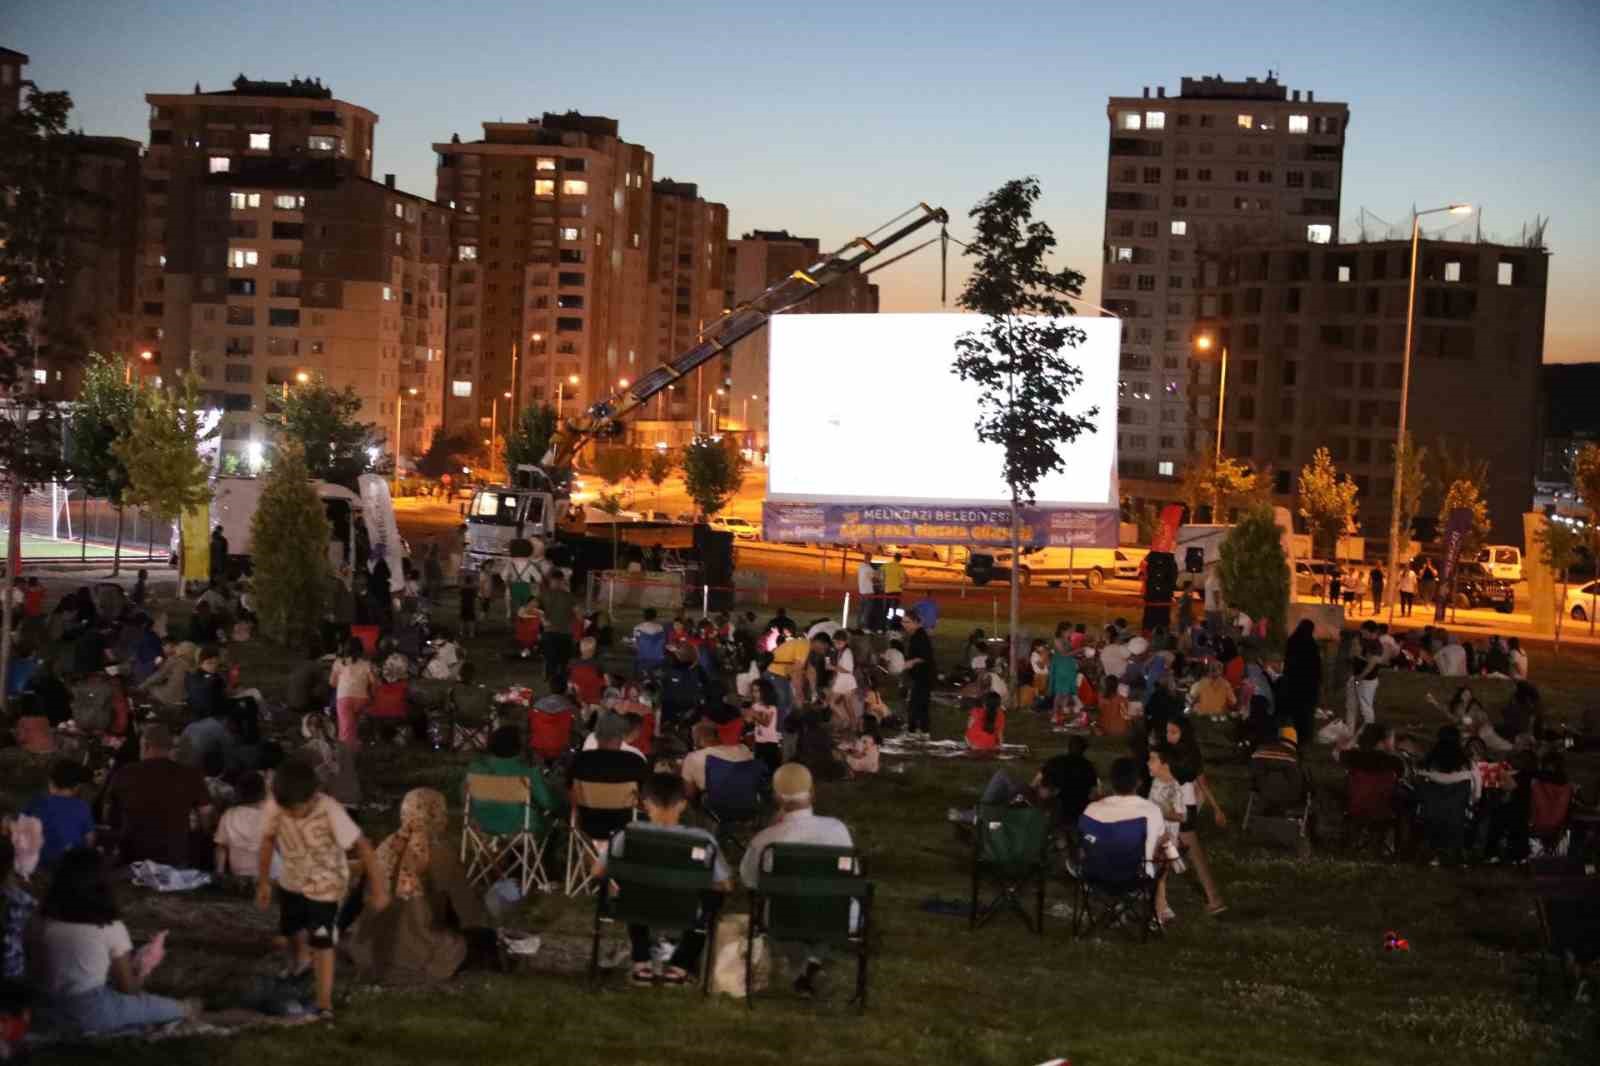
[[1293, 973]]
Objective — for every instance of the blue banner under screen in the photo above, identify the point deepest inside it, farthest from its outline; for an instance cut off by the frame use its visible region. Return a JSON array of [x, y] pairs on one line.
[[857, 523]]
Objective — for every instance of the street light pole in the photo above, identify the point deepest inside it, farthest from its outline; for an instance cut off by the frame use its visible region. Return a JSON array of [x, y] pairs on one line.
[[1391, 589]]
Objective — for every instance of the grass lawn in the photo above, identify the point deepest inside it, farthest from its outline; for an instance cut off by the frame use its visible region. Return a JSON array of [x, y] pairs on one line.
[[1293, 973]]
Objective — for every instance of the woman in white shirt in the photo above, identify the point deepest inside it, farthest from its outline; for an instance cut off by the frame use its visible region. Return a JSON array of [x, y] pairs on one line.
[[83, 962]]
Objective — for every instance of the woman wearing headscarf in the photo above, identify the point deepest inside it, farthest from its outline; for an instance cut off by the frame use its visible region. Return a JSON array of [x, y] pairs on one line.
[[1301, 686], [421, 938]]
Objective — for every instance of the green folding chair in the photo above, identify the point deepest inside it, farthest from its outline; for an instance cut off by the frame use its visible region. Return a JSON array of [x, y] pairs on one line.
[[815, 894], [1009, 850], [662, 880]]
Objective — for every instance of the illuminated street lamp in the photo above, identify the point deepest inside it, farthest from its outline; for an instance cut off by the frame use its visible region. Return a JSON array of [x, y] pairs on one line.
[[1391, 589]]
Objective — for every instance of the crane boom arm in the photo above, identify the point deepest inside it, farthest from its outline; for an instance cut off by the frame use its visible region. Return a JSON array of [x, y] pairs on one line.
[[728, 330]]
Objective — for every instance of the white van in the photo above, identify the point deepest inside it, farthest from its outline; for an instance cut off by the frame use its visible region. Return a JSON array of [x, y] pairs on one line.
[[1502, 560], [1091, 565]]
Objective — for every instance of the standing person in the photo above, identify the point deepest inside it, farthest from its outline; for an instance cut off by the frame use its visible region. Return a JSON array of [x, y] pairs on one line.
[[1408, 590], [894, 584], [867, 588], [1214, 601], [1301, 686], [352, 679], [1375, 583], [920, 670], [312, 836], [219, 555], [556, 641]]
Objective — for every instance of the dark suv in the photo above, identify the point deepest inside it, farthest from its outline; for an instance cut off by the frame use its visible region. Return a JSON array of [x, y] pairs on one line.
[[1476, 587]]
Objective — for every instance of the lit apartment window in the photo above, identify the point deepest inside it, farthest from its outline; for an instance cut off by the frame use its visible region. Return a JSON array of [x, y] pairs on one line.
[[1155, 120], [544, 163], [240, 258], [1299, 123], [467, 252], [289, 202], [1129, 120], [321, 143], [1505, 274], [575, 187], [571, 233], [220, 164], [461, 389], [544, 187], [1247, 122], [1452, 271], [260, 142], [1344, 274], [1319, 233], [241, 201]]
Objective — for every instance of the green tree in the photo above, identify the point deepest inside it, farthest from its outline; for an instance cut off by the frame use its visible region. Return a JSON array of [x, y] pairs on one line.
[[166, 473], [1466, 494], [323, 421], [658, 469], [102, 415], [1017, 358], [1586, 481], [529, 440], [616, 463], [1223, 483], [289, 535], [1558, 550], [1254, 569], [444, 455], [1327, 503], [713, 471]]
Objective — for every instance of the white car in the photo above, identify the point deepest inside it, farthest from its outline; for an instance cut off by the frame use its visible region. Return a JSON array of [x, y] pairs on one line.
[[742, 528], [1581, 600]]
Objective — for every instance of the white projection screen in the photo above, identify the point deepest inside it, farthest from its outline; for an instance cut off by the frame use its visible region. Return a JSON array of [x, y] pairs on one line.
[[865, 409]]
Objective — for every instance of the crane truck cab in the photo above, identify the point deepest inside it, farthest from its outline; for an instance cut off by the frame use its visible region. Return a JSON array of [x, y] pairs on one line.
[[500, 514]]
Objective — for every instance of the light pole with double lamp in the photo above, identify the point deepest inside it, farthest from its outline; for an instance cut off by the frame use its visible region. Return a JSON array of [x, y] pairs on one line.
[[1391, 590], [1203, 344]]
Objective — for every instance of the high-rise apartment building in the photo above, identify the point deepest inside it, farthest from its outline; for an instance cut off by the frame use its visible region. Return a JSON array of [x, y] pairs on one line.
[[756, 261], [11, 64], [271, 257], [688, 264], [1192, 176], [1316, 338], [548, 265]]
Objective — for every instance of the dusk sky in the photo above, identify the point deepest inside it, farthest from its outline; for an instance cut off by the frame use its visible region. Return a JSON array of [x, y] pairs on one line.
[[833, 117]]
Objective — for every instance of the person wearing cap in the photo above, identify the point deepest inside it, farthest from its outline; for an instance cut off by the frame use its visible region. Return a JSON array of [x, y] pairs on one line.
[[150, 803], [796, 823]]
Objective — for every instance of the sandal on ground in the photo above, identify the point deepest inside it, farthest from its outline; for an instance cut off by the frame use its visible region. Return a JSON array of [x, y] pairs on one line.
[[642, 976]]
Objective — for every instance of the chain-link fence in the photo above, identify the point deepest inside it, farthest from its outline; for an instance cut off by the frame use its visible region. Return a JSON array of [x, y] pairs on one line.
[[62, 523]]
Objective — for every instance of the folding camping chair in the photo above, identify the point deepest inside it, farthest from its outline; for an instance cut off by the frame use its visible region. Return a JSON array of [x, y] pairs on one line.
[[661, 880], [599, 809], [521, 853], [1371, 803], [1115, 882], [811, 894], [1279, 807], [1009, 849]]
